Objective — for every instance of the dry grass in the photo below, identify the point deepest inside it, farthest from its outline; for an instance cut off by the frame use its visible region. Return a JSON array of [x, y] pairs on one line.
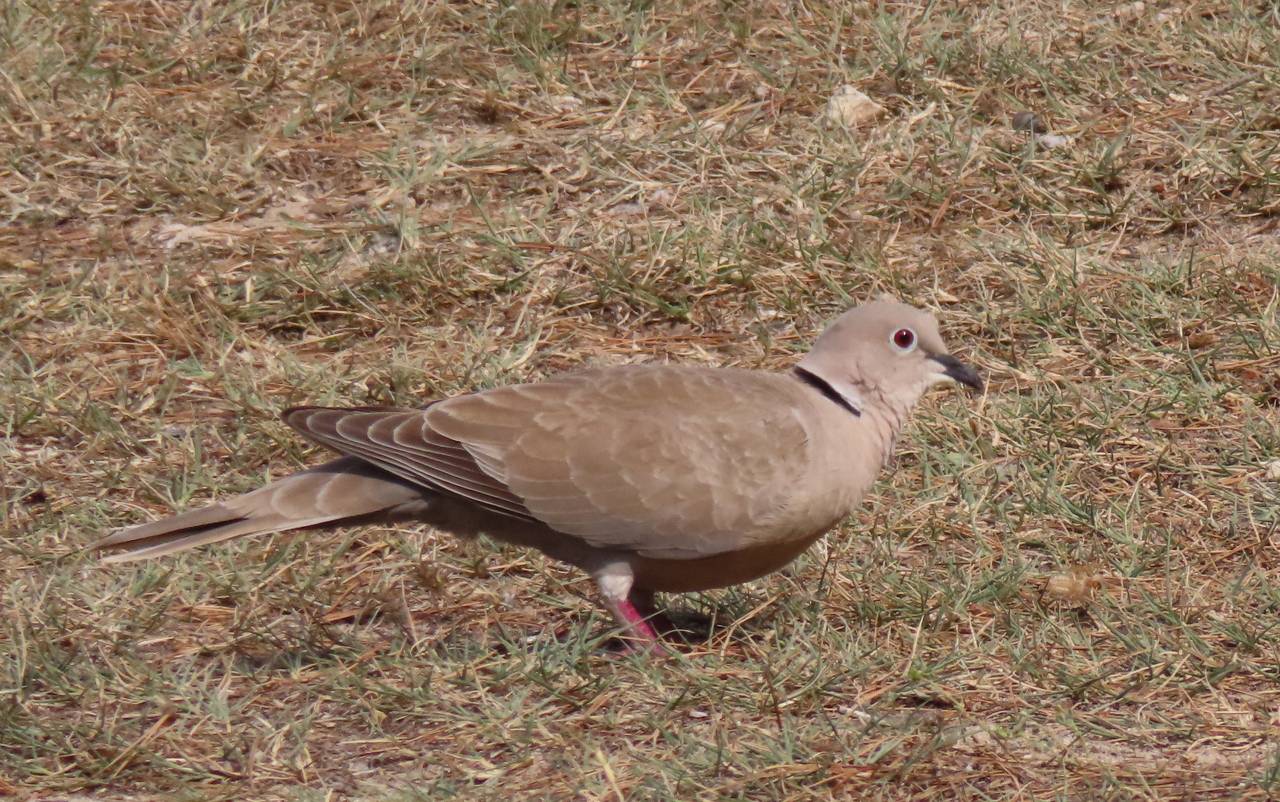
[[213, 210]]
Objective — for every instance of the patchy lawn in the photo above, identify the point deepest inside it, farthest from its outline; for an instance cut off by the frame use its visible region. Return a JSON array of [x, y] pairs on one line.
[[1069, 589]]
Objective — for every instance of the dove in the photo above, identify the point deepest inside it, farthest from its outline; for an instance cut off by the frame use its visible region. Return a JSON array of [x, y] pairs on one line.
[[649, 478]]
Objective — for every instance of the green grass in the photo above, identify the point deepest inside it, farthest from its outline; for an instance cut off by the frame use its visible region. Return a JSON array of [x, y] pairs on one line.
[[1066, 590]]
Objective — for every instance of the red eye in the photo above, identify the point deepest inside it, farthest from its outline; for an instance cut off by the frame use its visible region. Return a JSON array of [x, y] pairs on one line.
[[904, 339]]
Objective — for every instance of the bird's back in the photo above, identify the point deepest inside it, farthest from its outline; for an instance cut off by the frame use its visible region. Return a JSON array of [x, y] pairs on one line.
[[673, 462]]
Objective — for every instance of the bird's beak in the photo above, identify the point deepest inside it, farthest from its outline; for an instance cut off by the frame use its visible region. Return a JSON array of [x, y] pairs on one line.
[[958, 371]]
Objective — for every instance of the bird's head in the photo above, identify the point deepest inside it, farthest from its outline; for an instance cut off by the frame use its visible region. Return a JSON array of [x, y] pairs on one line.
[[885, 352]]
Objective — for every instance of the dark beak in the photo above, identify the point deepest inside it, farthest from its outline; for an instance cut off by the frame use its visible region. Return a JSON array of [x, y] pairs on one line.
[[959, 371]]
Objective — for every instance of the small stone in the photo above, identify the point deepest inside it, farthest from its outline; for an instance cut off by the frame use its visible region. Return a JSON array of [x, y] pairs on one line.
[[850, 108], [1273, 471], [1029, 121], [1130, 11], [629, 209], [564, 104], [1051, 141], [712, 127]]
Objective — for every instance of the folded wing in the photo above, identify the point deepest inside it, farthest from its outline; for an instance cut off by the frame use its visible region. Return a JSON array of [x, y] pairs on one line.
[[664, 461]]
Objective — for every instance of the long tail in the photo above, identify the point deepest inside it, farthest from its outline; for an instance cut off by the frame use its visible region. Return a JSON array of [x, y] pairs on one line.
[[345, 490]]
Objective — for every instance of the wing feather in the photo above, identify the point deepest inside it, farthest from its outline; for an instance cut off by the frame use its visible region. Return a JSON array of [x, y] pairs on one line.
[[399, 442], [665, 461]]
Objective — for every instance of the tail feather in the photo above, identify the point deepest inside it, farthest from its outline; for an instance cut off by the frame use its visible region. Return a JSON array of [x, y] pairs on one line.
[[137, 547], [345, 489], [200, 519]]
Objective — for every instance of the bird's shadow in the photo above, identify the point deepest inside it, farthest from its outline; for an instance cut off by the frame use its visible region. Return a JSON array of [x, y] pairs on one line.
[[689, 626]]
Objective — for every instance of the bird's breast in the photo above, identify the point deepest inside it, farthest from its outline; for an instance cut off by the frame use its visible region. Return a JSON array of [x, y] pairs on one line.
[[846, 454]]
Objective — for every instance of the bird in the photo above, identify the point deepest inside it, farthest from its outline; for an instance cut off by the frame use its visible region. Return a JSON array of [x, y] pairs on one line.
[[649, 478]]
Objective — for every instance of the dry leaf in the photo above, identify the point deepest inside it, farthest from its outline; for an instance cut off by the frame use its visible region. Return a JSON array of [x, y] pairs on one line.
[[1075, 587], [1051, 141]]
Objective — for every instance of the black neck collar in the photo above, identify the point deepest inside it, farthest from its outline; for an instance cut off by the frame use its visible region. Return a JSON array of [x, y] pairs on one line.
[[820, 384]]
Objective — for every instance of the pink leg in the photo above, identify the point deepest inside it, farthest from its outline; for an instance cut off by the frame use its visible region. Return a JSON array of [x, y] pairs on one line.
[[647, 607], [615, 581], [636, 631], [635, 621]]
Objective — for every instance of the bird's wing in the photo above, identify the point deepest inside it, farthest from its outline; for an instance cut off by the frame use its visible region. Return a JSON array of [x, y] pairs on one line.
[[664, 461], [402, 443]]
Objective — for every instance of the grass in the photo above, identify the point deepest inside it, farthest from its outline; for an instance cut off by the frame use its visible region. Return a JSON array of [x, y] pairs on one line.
[[1068, 590]]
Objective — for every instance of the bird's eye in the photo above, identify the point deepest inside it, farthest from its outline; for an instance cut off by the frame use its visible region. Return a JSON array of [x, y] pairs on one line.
[[904, 339]]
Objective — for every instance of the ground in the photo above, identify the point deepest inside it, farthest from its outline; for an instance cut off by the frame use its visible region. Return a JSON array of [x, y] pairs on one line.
[[1068, 588]]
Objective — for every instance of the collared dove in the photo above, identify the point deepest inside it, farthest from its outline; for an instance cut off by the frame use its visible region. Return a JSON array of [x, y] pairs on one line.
[[649, 478]]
